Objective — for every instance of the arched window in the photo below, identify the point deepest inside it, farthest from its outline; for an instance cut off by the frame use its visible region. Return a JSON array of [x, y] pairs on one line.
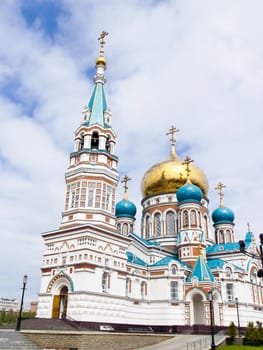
[[193, 218], [119, 228], [147, 227], [81, 144], [107, 145], [221, 236], [185, 218], [95, 140], [157, 225], [125, 229], [228, 272], [173, 269], [227, 237], [170, 223], [206, 225]]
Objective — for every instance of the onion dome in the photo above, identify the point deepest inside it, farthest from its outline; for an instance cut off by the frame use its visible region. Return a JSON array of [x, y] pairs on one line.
[[223, 215], [125, 208], [189, 193], [169, 175]]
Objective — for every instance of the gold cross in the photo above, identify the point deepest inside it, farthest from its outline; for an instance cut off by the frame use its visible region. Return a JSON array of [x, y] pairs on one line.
[[172, 131], [125, 181], [187, 162], [220, 187], [102, 42]]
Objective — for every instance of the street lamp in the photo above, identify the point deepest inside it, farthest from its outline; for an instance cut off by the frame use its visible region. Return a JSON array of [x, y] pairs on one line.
[[238, 322], [18, 323], [242, 248], [210, 299]]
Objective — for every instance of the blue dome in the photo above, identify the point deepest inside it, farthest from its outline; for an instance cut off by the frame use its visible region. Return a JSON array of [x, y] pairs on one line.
[[189, 193], [125, 208], [223, 215]]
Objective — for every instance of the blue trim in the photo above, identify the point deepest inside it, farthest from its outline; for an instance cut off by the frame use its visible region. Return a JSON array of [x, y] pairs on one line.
[[131, 258], [144, 241], [167, 260]]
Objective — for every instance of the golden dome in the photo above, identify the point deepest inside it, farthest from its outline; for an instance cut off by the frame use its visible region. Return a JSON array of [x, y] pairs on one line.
[[169, 176], [101, 60]]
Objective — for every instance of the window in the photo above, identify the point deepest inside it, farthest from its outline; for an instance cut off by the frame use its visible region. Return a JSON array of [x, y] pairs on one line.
[[107, 146], [221, 236], [174, 290], [105, 281], [229, 291], [193, 218], [148, 227], [173, 269], [157, 224], [228, 272], [119, 228], [143, 290], [95, 140], [128, 287], [170, 222], [185, 218], [125, 229], [81, 141]]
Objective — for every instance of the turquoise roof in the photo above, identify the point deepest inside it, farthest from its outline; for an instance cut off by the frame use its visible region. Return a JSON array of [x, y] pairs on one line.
[[98, 105], [215, 263], [144, 241], [189, 193], [167, 260], [223, 215], [125, 208], [229, 247], [201, 271], [134, 259]]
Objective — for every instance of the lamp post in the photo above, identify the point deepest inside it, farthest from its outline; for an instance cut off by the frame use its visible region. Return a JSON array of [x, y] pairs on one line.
[[238, 321], [18, 323], [210, 299]]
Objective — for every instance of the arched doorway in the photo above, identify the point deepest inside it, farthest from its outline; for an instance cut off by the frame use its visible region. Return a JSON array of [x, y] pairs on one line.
[[60, 302], [198, 309]]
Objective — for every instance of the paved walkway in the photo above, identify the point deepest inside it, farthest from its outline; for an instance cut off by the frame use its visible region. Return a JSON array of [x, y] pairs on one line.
[[184, 342]]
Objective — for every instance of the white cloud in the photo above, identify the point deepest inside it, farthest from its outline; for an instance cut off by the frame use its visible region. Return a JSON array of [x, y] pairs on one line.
[[196, 65]]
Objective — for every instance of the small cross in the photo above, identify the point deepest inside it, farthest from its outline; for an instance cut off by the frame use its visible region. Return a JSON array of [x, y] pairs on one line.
[[172, 131], [220, 187], [125, 181], [102, 42], [187, 161], [248, 227]]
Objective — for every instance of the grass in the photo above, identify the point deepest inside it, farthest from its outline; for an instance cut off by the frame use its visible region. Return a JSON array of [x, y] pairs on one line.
[[240, 347]]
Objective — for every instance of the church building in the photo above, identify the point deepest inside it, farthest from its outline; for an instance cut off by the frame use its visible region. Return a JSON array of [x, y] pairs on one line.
[[98, 269]]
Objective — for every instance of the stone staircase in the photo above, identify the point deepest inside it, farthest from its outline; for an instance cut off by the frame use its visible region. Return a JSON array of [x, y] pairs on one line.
[[12, 340]]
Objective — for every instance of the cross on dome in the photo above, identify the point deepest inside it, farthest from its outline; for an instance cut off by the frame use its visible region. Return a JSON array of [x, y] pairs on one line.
[[102, 42], [220, 187], [125, 181], [172, 131], [187, 161]]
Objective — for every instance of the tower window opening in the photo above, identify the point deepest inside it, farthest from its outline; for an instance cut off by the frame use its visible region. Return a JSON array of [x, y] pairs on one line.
[[193, 218], [81, 145], [157, 225], [185, 219], [229, 291], [170, 222], [108, 146], [95, 140], [125, 229], [147, 227]]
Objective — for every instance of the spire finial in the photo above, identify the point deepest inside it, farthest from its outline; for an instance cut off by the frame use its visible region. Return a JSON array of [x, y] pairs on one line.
[[172, 131], [220, 187], [102, 42], [125, 181], [248, 227], [187, 161]]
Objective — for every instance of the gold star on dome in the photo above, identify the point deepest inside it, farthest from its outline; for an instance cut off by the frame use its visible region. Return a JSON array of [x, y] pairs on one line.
[[220, 187], [172, 131], [125, 181]]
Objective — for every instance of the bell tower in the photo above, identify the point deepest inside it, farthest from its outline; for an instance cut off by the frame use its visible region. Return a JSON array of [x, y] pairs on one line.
[[92, 175]]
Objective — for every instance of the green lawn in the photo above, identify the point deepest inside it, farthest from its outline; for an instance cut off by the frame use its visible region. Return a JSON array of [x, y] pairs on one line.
[[238, 347]]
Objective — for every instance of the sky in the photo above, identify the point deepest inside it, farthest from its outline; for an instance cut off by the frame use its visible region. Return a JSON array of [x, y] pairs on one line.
[[197, 65]]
